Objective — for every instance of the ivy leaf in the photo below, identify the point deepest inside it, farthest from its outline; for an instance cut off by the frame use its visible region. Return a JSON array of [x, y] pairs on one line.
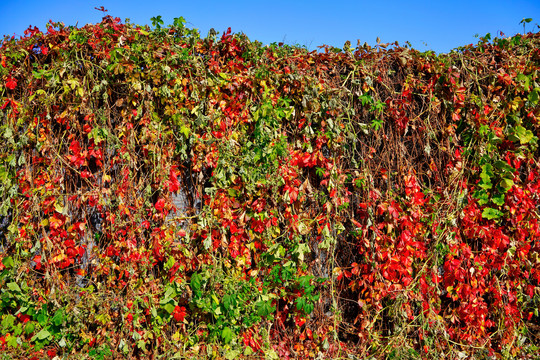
[[227, 335], [59, 206], [29, 328], [42, 318], [232, 354], [498, 199], [507, 184], [521, 134], [7, 322], [264, 308], [42, 335], [169, 307], [533, 96], [58, 317], [169, 293], [502, 165], [482, 196], [8, 262], [229, 302], [486, 175], [490, 213], [14, 287], [12, 341]]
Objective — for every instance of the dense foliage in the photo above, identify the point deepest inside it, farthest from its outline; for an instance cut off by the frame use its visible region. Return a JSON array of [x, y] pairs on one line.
[[169, 195]]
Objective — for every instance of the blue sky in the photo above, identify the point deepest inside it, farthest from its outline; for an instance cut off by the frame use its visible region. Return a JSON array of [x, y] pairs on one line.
[[427, 25]]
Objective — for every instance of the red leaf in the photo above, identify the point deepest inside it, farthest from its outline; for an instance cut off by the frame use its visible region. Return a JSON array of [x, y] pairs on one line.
[[299, 320], [37, 260], [418, 199], [393, 211], [11, 83], [174, 184], [85, 174], [179, 313], [160, 205]]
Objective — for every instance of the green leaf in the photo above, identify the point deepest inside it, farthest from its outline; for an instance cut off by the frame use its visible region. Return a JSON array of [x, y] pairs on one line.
[[207, 243], [21, 160], [525, 79], [195, 281], [157, 21], [62, 343], [523, 135], [482, 196], [170, 292], [300, 303], [507, 184], [13, 287], [227, 335], [8, 133], [502, 165], [7, 322], [533, 96], [225, 76], [179, 22], [195, 284], [486, 175], [170, 263], [99, 134], [229, 302], [169, 307], [185, 130], [11, 341], [29, 328], [8, 261], [58, 317], [42, 319], [302, 250], [498, 199], [490, 213], [264, 308], [232, 354], [18, 329], [42, 335]]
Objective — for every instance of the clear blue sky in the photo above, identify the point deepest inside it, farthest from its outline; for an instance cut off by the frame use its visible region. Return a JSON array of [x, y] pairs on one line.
[[429, 25]]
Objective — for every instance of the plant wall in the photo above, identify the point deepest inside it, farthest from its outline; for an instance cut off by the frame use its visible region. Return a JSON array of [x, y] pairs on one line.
[[165, 194]]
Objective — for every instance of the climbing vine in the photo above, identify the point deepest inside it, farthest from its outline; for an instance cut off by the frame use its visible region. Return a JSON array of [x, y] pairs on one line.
[[165, 194]]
